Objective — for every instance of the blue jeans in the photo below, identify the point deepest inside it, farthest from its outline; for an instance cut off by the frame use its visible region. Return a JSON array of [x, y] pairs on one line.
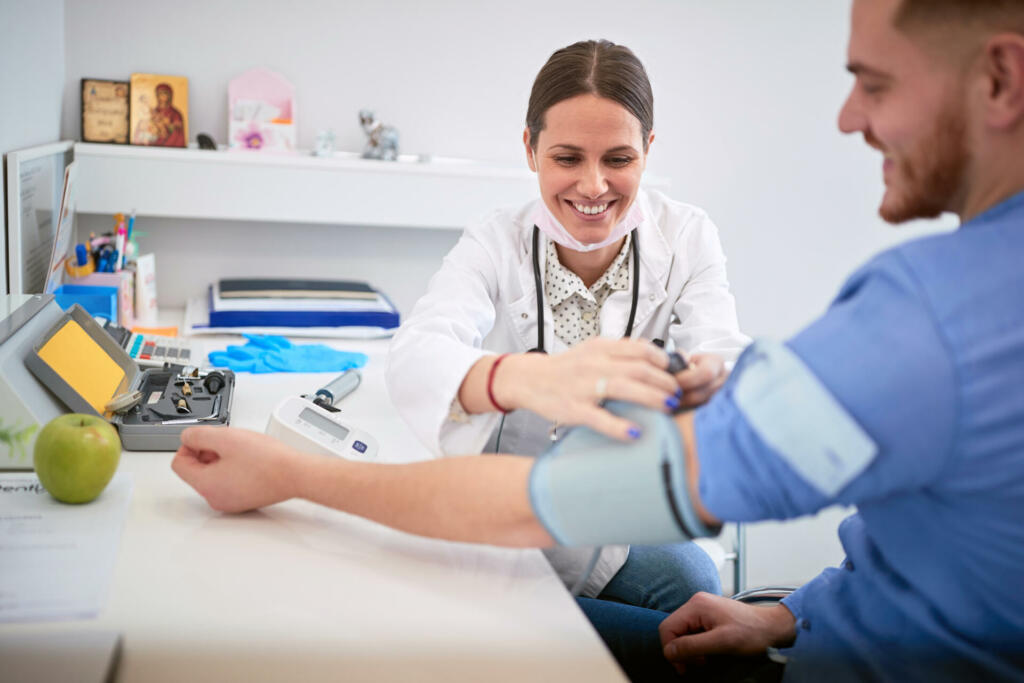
[[663, 577], [631, 633]]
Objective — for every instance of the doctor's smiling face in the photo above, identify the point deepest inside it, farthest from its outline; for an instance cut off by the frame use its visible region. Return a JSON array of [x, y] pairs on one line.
[[588, 129], [589, 158], [908, 100]]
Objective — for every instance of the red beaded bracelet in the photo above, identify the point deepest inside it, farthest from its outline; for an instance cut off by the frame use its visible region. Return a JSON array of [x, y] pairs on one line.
[[490, 383]]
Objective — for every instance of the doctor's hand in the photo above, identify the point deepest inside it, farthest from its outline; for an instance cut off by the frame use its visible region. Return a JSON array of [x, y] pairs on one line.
[[704, 376], [712, 625], [237, 470], [568, 387]]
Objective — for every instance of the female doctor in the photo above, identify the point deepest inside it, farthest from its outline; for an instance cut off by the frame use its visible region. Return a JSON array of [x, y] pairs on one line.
[[589, 274]]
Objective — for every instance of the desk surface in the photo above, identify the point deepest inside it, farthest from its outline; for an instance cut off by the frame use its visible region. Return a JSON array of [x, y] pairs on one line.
[[301, 592]]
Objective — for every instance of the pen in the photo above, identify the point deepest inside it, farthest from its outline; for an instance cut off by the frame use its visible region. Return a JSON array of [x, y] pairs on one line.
[[131, 224], [119, 243]]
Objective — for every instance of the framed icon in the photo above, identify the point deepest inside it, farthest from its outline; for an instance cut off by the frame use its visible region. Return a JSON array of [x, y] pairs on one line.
[[104, 111], [159, 110]]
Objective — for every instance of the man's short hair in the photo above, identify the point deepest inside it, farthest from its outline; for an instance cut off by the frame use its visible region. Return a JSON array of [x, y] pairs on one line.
[[993, 15]]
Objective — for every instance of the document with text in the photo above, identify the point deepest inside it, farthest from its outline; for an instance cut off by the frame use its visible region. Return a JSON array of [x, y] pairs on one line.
[[57, 560]]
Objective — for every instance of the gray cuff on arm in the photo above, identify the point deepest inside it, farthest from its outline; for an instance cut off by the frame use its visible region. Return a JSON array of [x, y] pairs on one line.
[[590, 489]]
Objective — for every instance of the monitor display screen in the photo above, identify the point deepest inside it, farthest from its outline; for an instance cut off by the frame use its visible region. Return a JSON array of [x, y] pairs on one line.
[[320, 422]]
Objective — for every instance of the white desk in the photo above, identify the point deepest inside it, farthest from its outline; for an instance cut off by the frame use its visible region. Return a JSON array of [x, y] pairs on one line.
[[297, 592]]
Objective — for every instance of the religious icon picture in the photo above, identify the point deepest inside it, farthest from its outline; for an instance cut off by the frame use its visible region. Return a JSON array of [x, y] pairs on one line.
[[104, 111], [159, 110]]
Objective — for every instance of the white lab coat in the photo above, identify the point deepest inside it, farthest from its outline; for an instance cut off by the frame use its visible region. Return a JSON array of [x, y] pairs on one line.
[[483, 301]]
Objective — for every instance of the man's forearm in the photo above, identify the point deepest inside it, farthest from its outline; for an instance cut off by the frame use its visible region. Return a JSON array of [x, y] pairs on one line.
[[475, 499]]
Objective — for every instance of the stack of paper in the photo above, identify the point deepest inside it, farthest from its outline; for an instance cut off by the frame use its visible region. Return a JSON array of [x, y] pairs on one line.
[[277, 303], [56, 560]]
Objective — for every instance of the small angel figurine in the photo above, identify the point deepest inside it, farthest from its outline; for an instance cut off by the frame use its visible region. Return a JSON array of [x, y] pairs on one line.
[[324, 146]]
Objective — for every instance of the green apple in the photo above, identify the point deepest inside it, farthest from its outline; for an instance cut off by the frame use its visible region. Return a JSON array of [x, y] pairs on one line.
[[76, 456]]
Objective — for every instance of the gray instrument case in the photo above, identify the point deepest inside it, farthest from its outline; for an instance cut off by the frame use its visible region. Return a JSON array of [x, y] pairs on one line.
[[155, 423]]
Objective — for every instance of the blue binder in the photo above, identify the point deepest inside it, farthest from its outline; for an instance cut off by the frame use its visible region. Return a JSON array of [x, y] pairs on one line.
[[285, 317]]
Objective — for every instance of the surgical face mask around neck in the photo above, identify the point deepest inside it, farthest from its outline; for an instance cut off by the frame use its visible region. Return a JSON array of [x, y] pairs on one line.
[[549, 225]]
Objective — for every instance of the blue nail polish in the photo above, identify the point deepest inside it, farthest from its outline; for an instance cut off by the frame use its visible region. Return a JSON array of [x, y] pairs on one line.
[[634, 433], [679, 393], [672, 402]]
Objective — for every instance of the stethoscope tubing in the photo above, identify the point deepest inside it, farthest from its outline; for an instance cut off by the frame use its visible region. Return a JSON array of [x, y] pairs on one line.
[[539, 286], [634, 247]]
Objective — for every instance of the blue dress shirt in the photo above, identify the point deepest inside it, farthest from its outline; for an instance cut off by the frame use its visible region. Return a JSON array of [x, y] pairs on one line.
[[923, 350]]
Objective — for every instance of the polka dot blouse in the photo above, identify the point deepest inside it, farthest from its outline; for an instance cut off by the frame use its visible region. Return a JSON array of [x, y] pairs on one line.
[[577, 309]]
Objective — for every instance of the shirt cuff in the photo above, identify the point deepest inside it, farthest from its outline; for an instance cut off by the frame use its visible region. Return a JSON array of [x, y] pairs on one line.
[[794, 602], [456, 413]]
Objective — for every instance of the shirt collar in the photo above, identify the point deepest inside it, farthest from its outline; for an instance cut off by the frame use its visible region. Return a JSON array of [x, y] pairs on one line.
[[1008, 205], [615, 277]]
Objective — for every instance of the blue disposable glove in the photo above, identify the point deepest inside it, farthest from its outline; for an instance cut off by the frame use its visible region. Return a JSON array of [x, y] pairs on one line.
[[272, 353]]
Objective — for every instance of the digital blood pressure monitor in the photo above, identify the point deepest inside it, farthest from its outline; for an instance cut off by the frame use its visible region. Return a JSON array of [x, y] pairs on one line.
[[304, 425]]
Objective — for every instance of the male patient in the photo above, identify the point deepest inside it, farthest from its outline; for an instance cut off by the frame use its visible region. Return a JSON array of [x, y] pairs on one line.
[[906, 399]]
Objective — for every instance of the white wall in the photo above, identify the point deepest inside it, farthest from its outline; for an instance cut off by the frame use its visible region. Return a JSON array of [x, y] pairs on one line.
[[746, 100], [31, 83], [746, 95]]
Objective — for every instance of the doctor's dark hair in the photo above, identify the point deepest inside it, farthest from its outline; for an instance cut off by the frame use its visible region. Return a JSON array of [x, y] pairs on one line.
[[594, 67]]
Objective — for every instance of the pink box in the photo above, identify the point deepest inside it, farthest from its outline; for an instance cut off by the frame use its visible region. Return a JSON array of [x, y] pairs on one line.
[[261, 112], [124, 280]]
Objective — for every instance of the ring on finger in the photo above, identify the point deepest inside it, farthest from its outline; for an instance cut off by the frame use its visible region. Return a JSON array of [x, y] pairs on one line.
[[553, 432], [601, 388]]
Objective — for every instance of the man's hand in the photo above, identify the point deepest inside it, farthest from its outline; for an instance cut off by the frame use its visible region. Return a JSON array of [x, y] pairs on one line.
[[712, 625], [237, 470], [704, 376]]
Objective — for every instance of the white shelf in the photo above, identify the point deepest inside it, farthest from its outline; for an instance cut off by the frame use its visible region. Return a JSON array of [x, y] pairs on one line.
[[240, 185], [256, 186]]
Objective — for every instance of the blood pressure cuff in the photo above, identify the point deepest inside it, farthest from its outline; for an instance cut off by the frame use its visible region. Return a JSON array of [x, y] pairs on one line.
[[589, 489]]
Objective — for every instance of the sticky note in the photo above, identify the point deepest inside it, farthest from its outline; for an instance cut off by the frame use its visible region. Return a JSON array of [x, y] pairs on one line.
[[156, 331]]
